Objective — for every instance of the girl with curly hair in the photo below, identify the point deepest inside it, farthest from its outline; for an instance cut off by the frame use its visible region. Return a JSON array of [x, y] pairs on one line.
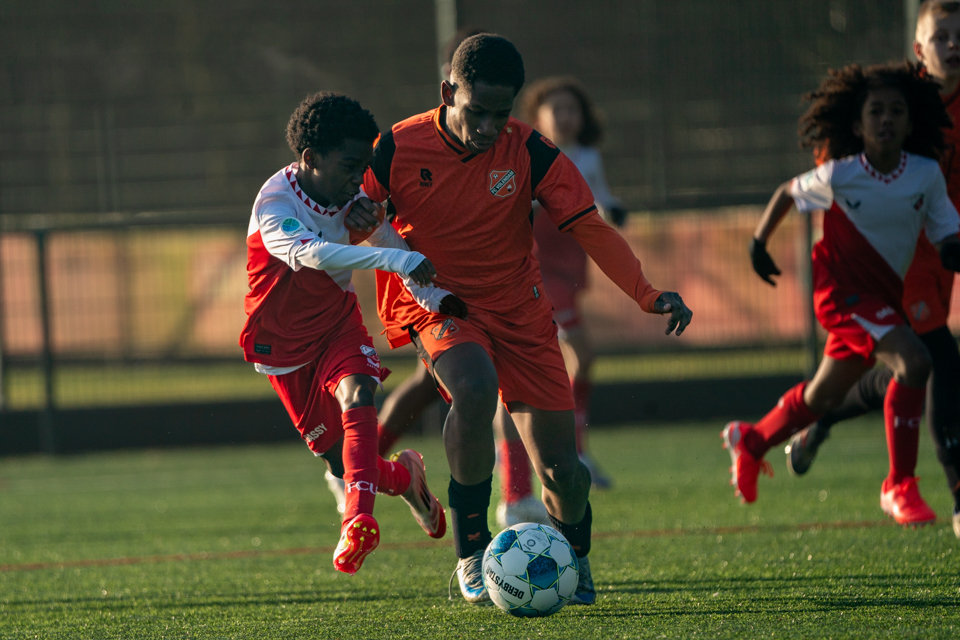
[[878, 131]]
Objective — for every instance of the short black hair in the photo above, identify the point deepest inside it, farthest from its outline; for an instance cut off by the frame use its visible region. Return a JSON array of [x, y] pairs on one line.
[[827, 126], [487, 57], [324, 120]]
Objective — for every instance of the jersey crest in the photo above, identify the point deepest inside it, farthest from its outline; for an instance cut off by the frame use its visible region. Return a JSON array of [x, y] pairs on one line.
[[503, 183]]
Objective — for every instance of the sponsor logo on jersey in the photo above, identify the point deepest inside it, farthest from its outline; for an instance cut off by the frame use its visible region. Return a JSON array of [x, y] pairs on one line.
[[536, 293], [291, 226], [503, 183], [445, 328], [917, 201], [316, 433], [852, 205], [426, 178], [265, 349], [885, 312], [361, 485]]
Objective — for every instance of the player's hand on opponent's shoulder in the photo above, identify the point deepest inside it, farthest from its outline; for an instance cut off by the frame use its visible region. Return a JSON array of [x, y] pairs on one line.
[[680, 314], [763, 264], [364, 215], [451, 305]]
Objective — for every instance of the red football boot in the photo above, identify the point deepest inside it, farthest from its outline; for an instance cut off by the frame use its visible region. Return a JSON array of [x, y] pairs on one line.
[[744, 467], [358, 538], [903, 503]]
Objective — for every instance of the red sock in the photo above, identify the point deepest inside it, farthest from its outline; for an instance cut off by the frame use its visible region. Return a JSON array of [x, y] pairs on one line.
[[789, 416], [902, 408], [360, 472], [385, 440], [581, 411], [515, 471], [394, 477]]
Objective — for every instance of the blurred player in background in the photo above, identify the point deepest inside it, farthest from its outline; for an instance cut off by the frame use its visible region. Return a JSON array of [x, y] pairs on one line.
[[461, 178], [304, 329], [406, 404], [880, 133], [560, 109], [927, 287]]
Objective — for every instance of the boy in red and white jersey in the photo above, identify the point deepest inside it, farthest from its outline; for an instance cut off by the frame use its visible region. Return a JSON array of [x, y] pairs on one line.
[[461, 178], [304, 329], [880, 187]]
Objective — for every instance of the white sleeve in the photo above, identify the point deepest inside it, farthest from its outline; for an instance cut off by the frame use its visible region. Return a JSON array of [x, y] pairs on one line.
[[596, 178], [813, 189], [942, 218], [428, 297], [281, 232]]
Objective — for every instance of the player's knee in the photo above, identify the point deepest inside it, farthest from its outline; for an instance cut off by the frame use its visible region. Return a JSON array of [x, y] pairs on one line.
[[916, 366], [477, 391], [355, 392]]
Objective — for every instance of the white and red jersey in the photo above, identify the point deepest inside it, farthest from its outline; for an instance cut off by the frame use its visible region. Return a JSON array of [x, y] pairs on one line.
[[292, 311], [873, 220]]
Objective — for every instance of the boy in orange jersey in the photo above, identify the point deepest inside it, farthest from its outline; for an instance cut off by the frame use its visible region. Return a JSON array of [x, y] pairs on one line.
[[461, 178], [927, 286]]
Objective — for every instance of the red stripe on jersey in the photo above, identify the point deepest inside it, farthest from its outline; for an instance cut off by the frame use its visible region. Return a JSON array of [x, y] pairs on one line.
[[291, 315], [846, 264]]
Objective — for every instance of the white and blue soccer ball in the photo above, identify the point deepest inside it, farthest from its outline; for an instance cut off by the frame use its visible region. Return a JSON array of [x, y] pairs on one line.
[[530, 570]]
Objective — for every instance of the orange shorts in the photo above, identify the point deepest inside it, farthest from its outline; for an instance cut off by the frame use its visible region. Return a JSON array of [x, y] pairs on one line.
[[524, 351], [308, 392], [927, 289]]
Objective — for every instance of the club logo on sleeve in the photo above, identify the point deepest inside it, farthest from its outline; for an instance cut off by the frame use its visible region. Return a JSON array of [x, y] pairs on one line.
[[503, 183], [445, 328], [291, 226], [917, 201]]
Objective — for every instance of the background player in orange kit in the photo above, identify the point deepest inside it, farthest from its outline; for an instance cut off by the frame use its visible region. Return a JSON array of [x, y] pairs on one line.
[[560, 109], [928, 285], [880, 186], [304, 329], [461, 178]]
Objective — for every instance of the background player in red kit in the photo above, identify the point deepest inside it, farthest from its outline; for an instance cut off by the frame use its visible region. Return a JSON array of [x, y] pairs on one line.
[[304, 328], [560, 108], [461, 178], [880, 186], [927, 287]]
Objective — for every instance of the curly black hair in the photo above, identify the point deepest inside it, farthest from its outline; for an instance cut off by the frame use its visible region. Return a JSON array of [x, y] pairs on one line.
[[489, 58], [827, 126], [324, 120], [536, 94]]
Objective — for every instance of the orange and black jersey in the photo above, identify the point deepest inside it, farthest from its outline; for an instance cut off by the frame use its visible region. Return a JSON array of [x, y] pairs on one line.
[[470, 214]]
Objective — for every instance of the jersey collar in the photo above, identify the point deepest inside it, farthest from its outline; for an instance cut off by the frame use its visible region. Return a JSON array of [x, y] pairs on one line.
[[885, 178], [451, 143], [290, 173]]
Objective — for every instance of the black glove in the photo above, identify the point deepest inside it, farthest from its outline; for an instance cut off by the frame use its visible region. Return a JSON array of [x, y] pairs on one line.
[[451, 305], [618, 216], [762, 262], [950, 256]]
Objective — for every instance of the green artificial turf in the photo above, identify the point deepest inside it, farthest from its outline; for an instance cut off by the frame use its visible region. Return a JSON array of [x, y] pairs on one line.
[[114, 384], [236, 543]]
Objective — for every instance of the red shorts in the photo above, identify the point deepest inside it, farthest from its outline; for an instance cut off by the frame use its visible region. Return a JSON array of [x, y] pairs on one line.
[[855, 325], [308, 392], [563, 295], [927, 289], [524, 351]]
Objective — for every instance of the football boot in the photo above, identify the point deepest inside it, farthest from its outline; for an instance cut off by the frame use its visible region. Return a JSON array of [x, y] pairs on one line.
[[802, 448], [903, 503], [424, 505], [585, 593], [744, 467], [358, 537], [526, 509], [469, 574]]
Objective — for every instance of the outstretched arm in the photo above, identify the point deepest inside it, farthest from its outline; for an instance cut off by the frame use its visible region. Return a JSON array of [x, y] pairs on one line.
[[776, 210], [615, 258]]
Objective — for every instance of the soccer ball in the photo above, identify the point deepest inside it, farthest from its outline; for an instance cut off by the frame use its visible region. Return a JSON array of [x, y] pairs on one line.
[[530, 570]]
